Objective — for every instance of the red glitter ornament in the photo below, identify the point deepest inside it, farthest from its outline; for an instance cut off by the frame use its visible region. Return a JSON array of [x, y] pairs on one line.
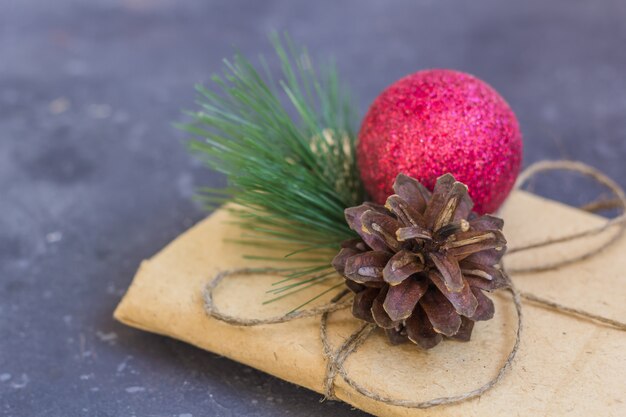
[[438, 121]]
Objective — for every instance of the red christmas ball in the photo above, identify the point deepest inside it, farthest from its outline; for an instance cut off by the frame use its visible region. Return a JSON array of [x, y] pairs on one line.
[[438, 121]]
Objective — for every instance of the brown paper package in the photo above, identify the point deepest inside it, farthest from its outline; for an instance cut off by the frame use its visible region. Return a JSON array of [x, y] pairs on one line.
[[565, 365]]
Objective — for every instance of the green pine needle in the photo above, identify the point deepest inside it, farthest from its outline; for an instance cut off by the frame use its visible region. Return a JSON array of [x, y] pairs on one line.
[[287, 149]]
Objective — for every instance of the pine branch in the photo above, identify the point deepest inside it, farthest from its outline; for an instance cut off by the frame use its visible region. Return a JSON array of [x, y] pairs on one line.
[[288, 152]]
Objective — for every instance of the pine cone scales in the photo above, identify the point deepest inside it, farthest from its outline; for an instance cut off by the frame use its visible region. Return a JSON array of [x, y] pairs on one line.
[[422, 263]]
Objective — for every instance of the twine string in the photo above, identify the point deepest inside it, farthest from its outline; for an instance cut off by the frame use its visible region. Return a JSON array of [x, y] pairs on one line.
[[617, 202], [335, 359], [544, 302], [213, 311]]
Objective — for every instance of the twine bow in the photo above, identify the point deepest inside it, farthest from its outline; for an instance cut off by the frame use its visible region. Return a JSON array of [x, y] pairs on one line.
[[336, 358]]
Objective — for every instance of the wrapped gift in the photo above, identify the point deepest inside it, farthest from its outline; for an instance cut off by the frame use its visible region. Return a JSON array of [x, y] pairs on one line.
[[566, 364]]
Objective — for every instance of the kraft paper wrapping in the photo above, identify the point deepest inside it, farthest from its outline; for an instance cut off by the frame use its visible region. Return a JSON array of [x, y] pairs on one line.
[[565, 365]]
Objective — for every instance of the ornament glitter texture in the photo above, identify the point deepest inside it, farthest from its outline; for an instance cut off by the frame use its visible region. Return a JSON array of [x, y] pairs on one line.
[[441, 121]]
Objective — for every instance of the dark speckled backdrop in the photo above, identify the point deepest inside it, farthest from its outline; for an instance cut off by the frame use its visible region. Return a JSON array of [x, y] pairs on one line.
[[93, 178]]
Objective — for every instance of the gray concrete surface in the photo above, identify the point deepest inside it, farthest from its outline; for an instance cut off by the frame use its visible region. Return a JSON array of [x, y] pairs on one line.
[[93, 178]]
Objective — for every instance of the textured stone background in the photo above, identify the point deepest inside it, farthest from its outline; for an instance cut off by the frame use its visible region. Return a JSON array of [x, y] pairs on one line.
[[93, 178]]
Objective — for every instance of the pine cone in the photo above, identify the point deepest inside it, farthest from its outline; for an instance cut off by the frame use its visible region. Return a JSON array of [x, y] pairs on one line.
[[423, 262]]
